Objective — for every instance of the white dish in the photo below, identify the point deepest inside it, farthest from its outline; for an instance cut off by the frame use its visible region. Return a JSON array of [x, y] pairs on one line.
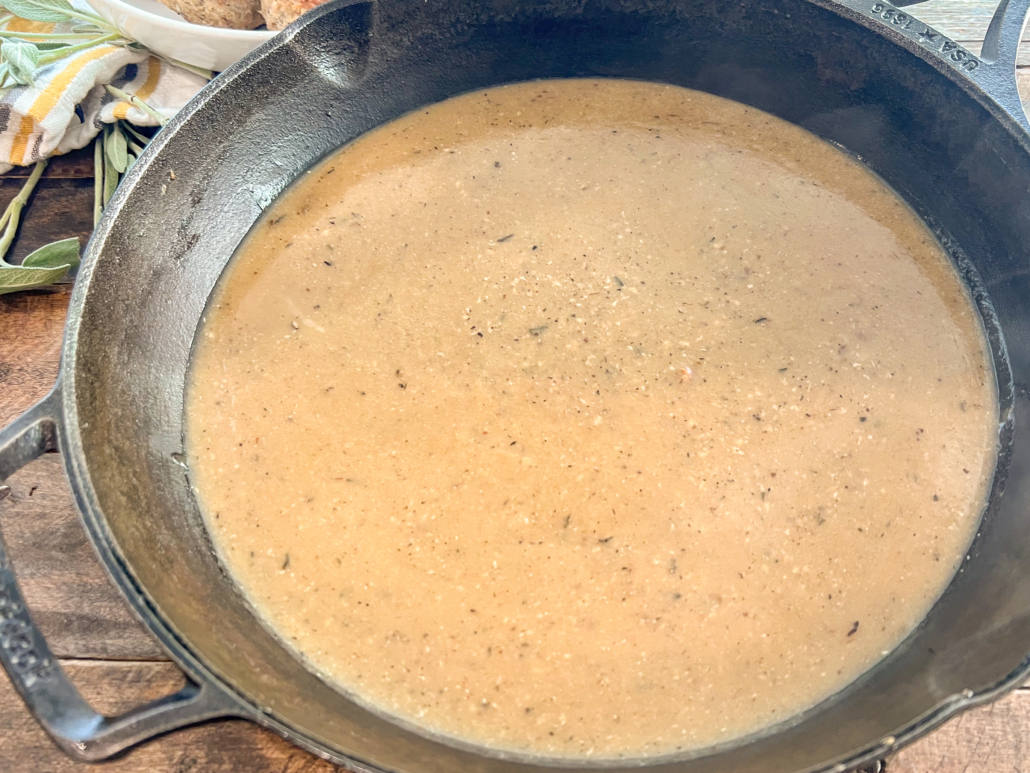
[[165, 32]]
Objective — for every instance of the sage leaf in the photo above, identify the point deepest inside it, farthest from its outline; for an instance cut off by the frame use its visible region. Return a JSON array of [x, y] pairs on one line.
[[22, 60], [98, 180], [116, 149], [111, 177], [40, 10], [54, 255], [16, 278], [128, 128]]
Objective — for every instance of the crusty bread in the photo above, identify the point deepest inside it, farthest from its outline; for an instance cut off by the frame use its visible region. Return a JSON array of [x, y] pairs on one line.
[[281, 13], [233, 14]]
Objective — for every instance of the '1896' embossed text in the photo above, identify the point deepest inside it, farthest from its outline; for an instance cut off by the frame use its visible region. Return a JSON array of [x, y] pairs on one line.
[[928, 38]]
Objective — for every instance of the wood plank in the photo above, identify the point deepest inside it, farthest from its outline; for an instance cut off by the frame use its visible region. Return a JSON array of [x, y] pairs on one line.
[[231, 746], [31, 330], [990, 739], [958, 19], [965, 22], [58, 209], [1023, 84], [79, 610], [78, 164], [75, 604], [61, 207]]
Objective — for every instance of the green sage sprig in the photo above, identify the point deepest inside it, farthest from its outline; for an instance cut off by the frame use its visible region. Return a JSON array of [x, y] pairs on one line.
[[22, 54], [116, 148], [42, 267], [135, 101]]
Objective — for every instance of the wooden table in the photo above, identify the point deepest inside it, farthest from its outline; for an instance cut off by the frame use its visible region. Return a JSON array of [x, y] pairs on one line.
[[113, 659]]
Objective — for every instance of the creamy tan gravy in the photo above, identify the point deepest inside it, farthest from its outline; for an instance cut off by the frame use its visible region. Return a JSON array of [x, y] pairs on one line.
[[591, 419]]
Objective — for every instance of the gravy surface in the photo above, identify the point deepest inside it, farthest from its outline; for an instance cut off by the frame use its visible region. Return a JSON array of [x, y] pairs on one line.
[[591, 418]]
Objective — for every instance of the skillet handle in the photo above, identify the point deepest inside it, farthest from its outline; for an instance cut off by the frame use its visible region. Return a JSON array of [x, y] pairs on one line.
[[994, 70], [56, 704], [998, 57]]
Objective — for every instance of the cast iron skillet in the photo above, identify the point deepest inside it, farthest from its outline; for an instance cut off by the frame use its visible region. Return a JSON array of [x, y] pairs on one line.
[[942, 126]]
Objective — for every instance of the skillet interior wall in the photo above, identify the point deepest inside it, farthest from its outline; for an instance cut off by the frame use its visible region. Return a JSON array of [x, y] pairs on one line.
[[262, 126]]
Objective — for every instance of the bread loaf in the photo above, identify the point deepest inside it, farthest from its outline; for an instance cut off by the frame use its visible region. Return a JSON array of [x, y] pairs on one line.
[[279, 14], [231, 14]]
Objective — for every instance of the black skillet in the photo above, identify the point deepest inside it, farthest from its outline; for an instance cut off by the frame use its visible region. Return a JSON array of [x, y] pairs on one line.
[[942, 126]]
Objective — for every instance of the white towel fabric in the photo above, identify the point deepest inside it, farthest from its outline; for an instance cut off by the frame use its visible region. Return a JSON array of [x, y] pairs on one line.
[[68, 104]]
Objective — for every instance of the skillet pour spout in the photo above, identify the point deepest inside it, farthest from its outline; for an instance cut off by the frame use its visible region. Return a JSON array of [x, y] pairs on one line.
[[943, 127]]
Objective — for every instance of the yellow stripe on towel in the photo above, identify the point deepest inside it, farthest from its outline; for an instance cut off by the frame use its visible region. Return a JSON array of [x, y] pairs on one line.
[[121, 110], [20, 141], [46, 101], [18, 24]]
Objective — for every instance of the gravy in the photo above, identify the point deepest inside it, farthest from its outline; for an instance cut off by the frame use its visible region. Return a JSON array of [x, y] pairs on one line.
[[591, 419]]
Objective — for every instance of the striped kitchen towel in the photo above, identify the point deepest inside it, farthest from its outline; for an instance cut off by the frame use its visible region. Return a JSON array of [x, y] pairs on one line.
[[68, 104]]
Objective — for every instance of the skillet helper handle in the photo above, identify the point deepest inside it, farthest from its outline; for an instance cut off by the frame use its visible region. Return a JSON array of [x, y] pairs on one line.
[[994, 70], [54, 701], [998, 57]]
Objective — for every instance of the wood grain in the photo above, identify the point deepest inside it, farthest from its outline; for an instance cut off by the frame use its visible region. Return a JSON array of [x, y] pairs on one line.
[[965, 22], [230, 746], [958, 19], [76, 165], [31, 328], [990, 739], [76, 605], [59, 209], [1023, 84]]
